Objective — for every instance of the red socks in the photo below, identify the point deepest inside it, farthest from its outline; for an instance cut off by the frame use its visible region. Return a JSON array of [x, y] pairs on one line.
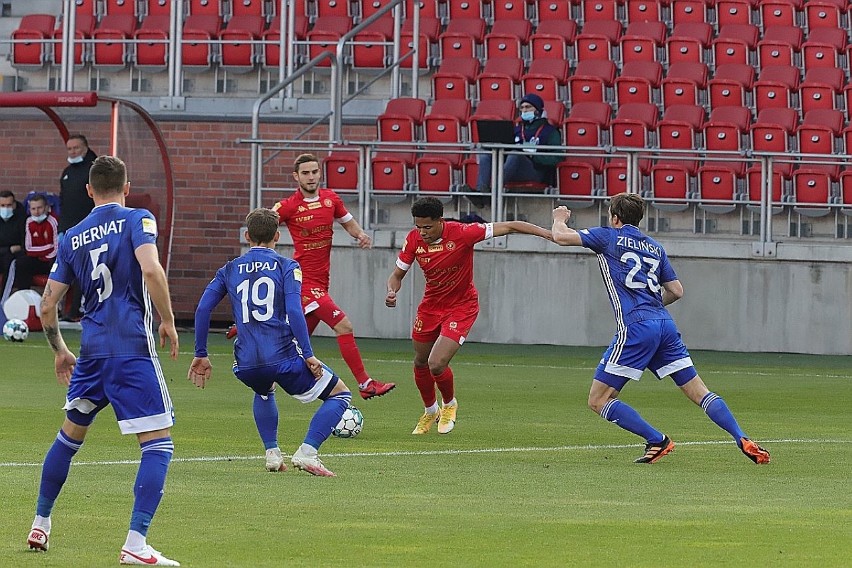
[[426, 385], [349, 351], [446, 385]]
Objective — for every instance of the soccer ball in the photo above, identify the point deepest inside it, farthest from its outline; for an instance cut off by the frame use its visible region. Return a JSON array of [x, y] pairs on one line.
[[17, 330], [350, 424]]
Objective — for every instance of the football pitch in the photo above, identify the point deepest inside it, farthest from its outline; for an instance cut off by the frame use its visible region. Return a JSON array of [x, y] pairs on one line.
[[529, 477]]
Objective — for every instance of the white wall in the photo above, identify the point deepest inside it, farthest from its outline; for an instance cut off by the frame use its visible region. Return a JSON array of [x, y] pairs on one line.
[[534, 292]]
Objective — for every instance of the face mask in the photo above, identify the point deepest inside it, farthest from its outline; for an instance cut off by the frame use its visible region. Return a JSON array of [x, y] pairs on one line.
[[40, 218], [76, 160], [6, 213], [528, 116]]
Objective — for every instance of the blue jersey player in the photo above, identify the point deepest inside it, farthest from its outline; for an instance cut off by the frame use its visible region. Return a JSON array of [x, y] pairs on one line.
[[112, 255], [273, 344], [640, 282]]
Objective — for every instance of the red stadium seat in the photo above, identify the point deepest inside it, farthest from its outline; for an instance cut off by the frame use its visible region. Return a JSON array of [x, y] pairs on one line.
[[430, 27], [639, 82], [499, 78], [678, 130], [576, 183], [812, 192], [341, 171], [84, 27], [406, 39], [553, 10], [776, 87], [724, 137], [435, 173], [643, 11], [461, 38], [248, 8], [825, 13], [509, 10], [198, 55], [823, 48], [587, 126], [206, 7], [819, 134], [688, 41], [36, 29], [735, 43], [779, 45], [502, 45], [370, 7], [730, 84], [447, 123], [555, 112], [336, 8], [717, 188], [126, 7], [236, 52], [693, 11], [590, 81], [641, 41], [114, 29], [549, 46], [821, 87], [547, 78], [732, 12], [779, 12], [772, 133], [599, 10], [597, 40], [632, 127], [152, 48], [162, 8], [368, 50], [390, 172], [670, 183], [685, 83], [86, 7], [454, 77]]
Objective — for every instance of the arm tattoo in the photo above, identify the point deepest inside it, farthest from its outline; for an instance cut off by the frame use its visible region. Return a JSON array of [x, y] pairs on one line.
[[53, 337]]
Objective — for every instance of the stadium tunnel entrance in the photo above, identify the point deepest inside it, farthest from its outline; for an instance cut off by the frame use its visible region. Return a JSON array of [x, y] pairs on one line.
[[116, 127]]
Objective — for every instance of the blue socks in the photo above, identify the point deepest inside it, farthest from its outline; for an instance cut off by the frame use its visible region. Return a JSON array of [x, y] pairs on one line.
[[54, 472], [622, 415], [148, 489], [326, 418], [719, 413], [266, 419]]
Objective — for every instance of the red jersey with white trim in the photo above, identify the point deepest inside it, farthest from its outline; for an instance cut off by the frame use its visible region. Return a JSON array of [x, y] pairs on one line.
[[447, 263], [42, 240], [311, 224]]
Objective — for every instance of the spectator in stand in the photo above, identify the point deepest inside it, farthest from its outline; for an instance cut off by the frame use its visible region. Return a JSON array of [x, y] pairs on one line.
[[74, 200], [13, 217], [530, 166], [40, 245]]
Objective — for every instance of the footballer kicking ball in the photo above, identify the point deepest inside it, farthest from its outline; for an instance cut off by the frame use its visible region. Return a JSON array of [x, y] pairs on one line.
[[17, 330], [350, 424]]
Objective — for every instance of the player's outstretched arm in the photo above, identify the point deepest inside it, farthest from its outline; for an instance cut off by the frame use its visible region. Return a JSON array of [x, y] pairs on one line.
[[158, 288], [394, 284], [199, 371], [672, 292], [508, 227], [562, 233], [354, 229], [64, 360]]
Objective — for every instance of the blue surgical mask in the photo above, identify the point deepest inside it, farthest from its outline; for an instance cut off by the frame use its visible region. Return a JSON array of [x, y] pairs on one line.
[[6, 213], [40, 218], [528, 116], [76, 160]]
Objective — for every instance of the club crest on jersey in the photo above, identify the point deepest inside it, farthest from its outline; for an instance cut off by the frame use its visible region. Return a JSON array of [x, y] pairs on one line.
[[451, 245], [326, 202]]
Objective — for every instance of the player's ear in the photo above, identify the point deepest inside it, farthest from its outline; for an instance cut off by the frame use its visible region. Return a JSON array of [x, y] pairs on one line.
[[246, 236], [89, 191], [126, 189], [276, 238]]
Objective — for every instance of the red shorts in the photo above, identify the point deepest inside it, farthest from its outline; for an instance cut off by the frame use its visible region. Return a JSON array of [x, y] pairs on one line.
[[321, 308], [453, 323]]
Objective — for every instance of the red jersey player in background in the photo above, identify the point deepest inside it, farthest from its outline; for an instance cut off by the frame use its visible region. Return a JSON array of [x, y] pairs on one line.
[[310, 214], [444, 251]]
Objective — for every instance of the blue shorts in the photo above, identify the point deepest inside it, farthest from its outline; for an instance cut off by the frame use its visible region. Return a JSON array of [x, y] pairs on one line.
[[648, 344], [135, 386], [293, 375]]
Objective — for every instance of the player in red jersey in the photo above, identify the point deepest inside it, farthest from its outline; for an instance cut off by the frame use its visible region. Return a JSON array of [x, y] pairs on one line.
[[310, 214], [444, 251]]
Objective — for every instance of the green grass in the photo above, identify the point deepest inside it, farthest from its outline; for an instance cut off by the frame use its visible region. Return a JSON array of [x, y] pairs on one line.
[[530, 477]]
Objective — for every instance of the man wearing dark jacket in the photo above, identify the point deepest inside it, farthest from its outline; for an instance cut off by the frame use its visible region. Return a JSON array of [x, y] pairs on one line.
[[531, 166], [13, 218], [75, 203]]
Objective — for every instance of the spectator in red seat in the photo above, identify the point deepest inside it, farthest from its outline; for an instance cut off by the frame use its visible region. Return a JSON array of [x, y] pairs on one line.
[[531, 166], [40, 245]]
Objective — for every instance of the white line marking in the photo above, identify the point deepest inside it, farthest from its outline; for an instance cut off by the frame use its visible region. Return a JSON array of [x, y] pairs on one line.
[[441, 452]]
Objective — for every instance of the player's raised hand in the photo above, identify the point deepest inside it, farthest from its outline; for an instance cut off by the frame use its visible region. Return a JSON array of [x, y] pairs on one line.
[[561, 214], [63, 363], [199, 371], [390, 299], [316, 367], [168, 330]]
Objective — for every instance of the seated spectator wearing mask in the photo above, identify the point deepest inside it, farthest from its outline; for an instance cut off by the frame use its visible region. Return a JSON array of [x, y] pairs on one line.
[[531, 166], [41, 243], [13, 217]]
